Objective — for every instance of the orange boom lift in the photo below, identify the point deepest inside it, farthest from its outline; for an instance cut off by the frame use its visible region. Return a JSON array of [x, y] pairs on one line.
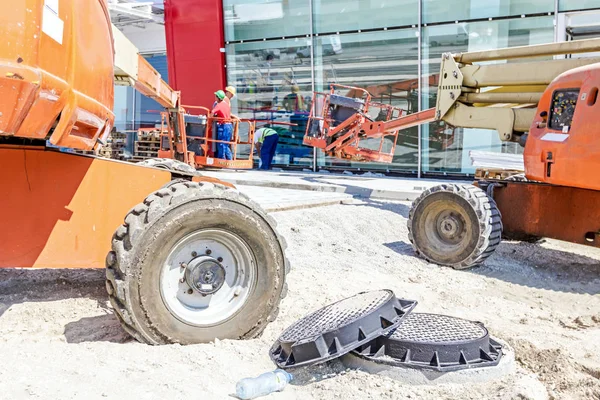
[[550, 106], [188, 258]]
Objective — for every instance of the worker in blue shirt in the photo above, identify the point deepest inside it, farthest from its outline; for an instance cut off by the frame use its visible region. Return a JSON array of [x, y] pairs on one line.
[[266, 140]]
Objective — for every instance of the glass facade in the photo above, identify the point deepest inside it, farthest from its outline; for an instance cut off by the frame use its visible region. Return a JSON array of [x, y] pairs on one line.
[[464, 10], [274, 82], [340, 15], [386, 63], [278, 52], [258, 19], [572, 5], [446, 150]]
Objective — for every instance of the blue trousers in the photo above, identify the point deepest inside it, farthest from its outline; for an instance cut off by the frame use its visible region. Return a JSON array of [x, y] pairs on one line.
[[224, 132], [267, 151]]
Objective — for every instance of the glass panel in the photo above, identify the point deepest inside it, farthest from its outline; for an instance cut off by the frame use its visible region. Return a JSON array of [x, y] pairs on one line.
[[342, 15], [445, 149], [581, 26], [124, 116], [386, 64], [147, 111], [566, 5], [445, 11], [274, 88], [259, 19], [123, 108]]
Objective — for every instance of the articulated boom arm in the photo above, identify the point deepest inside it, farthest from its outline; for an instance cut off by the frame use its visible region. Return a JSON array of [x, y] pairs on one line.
[[131, 69], [496, 96], [338, 124], [501, 96]]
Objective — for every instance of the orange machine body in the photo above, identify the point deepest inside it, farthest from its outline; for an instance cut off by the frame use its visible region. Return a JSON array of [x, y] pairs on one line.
[[552, 211], [563, 147], [62, 209], [56, 71]]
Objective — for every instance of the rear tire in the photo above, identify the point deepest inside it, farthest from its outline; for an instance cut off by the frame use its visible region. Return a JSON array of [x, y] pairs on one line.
[[174, 229], [170, 164], [457, 226]]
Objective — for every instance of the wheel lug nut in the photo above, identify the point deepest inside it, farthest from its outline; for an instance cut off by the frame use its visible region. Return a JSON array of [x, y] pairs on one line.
[[194, 254], [220, 259], [208, 251], [190, 291]]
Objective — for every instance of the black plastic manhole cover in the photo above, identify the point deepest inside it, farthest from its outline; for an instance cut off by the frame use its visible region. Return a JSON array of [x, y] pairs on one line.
[[435, 342], [339, 328]]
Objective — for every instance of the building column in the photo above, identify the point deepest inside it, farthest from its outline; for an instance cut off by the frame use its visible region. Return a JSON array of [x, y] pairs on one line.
[[195, 49]]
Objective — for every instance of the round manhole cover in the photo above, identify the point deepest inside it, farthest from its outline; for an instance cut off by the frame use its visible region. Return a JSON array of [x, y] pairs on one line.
[[437, 342], [433, 328], [339, 328]]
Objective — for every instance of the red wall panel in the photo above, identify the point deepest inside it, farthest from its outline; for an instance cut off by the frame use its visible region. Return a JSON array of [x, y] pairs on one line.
[[195, 37]]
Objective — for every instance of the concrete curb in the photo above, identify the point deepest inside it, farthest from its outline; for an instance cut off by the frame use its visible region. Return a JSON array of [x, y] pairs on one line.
[[319, 203], [358, 192], [361, 187], [395, 195], [287, 185]]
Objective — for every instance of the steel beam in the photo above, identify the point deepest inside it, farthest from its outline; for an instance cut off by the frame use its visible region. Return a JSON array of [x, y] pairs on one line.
[[138, 10], [518, 74], [551, 49], [496, 98], [505, 120]]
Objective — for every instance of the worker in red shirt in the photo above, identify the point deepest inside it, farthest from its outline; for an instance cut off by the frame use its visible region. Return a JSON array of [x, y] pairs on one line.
[[222, 113]]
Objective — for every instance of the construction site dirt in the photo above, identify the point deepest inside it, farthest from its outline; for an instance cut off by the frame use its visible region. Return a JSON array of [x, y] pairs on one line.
[[59, 339]]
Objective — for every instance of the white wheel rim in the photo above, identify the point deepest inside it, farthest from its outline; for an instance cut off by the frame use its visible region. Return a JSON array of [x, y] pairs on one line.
[[212, 309]]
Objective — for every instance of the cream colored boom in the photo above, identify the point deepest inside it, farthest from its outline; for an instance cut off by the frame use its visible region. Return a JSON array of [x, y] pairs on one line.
[[503, 96], [131, 69]]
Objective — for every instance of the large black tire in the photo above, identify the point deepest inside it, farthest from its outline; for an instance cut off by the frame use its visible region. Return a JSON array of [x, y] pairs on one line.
[[454, 225], [170, 164], [141, 246]]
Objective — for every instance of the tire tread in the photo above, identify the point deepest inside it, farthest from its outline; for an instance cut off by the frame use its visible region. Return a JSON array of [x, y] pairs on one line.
[[128, 236], [490, 222]]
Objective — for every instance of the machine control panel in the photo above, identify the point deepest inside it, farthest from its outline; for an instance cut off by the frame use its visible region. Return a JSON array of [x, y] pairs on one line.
[[563, 109]]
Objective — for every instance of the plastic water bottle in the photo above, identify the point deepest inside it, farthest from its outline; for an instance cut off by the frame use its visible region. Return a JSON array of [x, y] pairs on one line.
[[251, 388]]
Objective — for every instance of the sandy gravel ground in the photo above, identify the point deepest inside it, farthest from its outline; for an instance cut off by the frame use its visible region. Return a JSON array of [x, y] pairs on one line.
[[59, 340]]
